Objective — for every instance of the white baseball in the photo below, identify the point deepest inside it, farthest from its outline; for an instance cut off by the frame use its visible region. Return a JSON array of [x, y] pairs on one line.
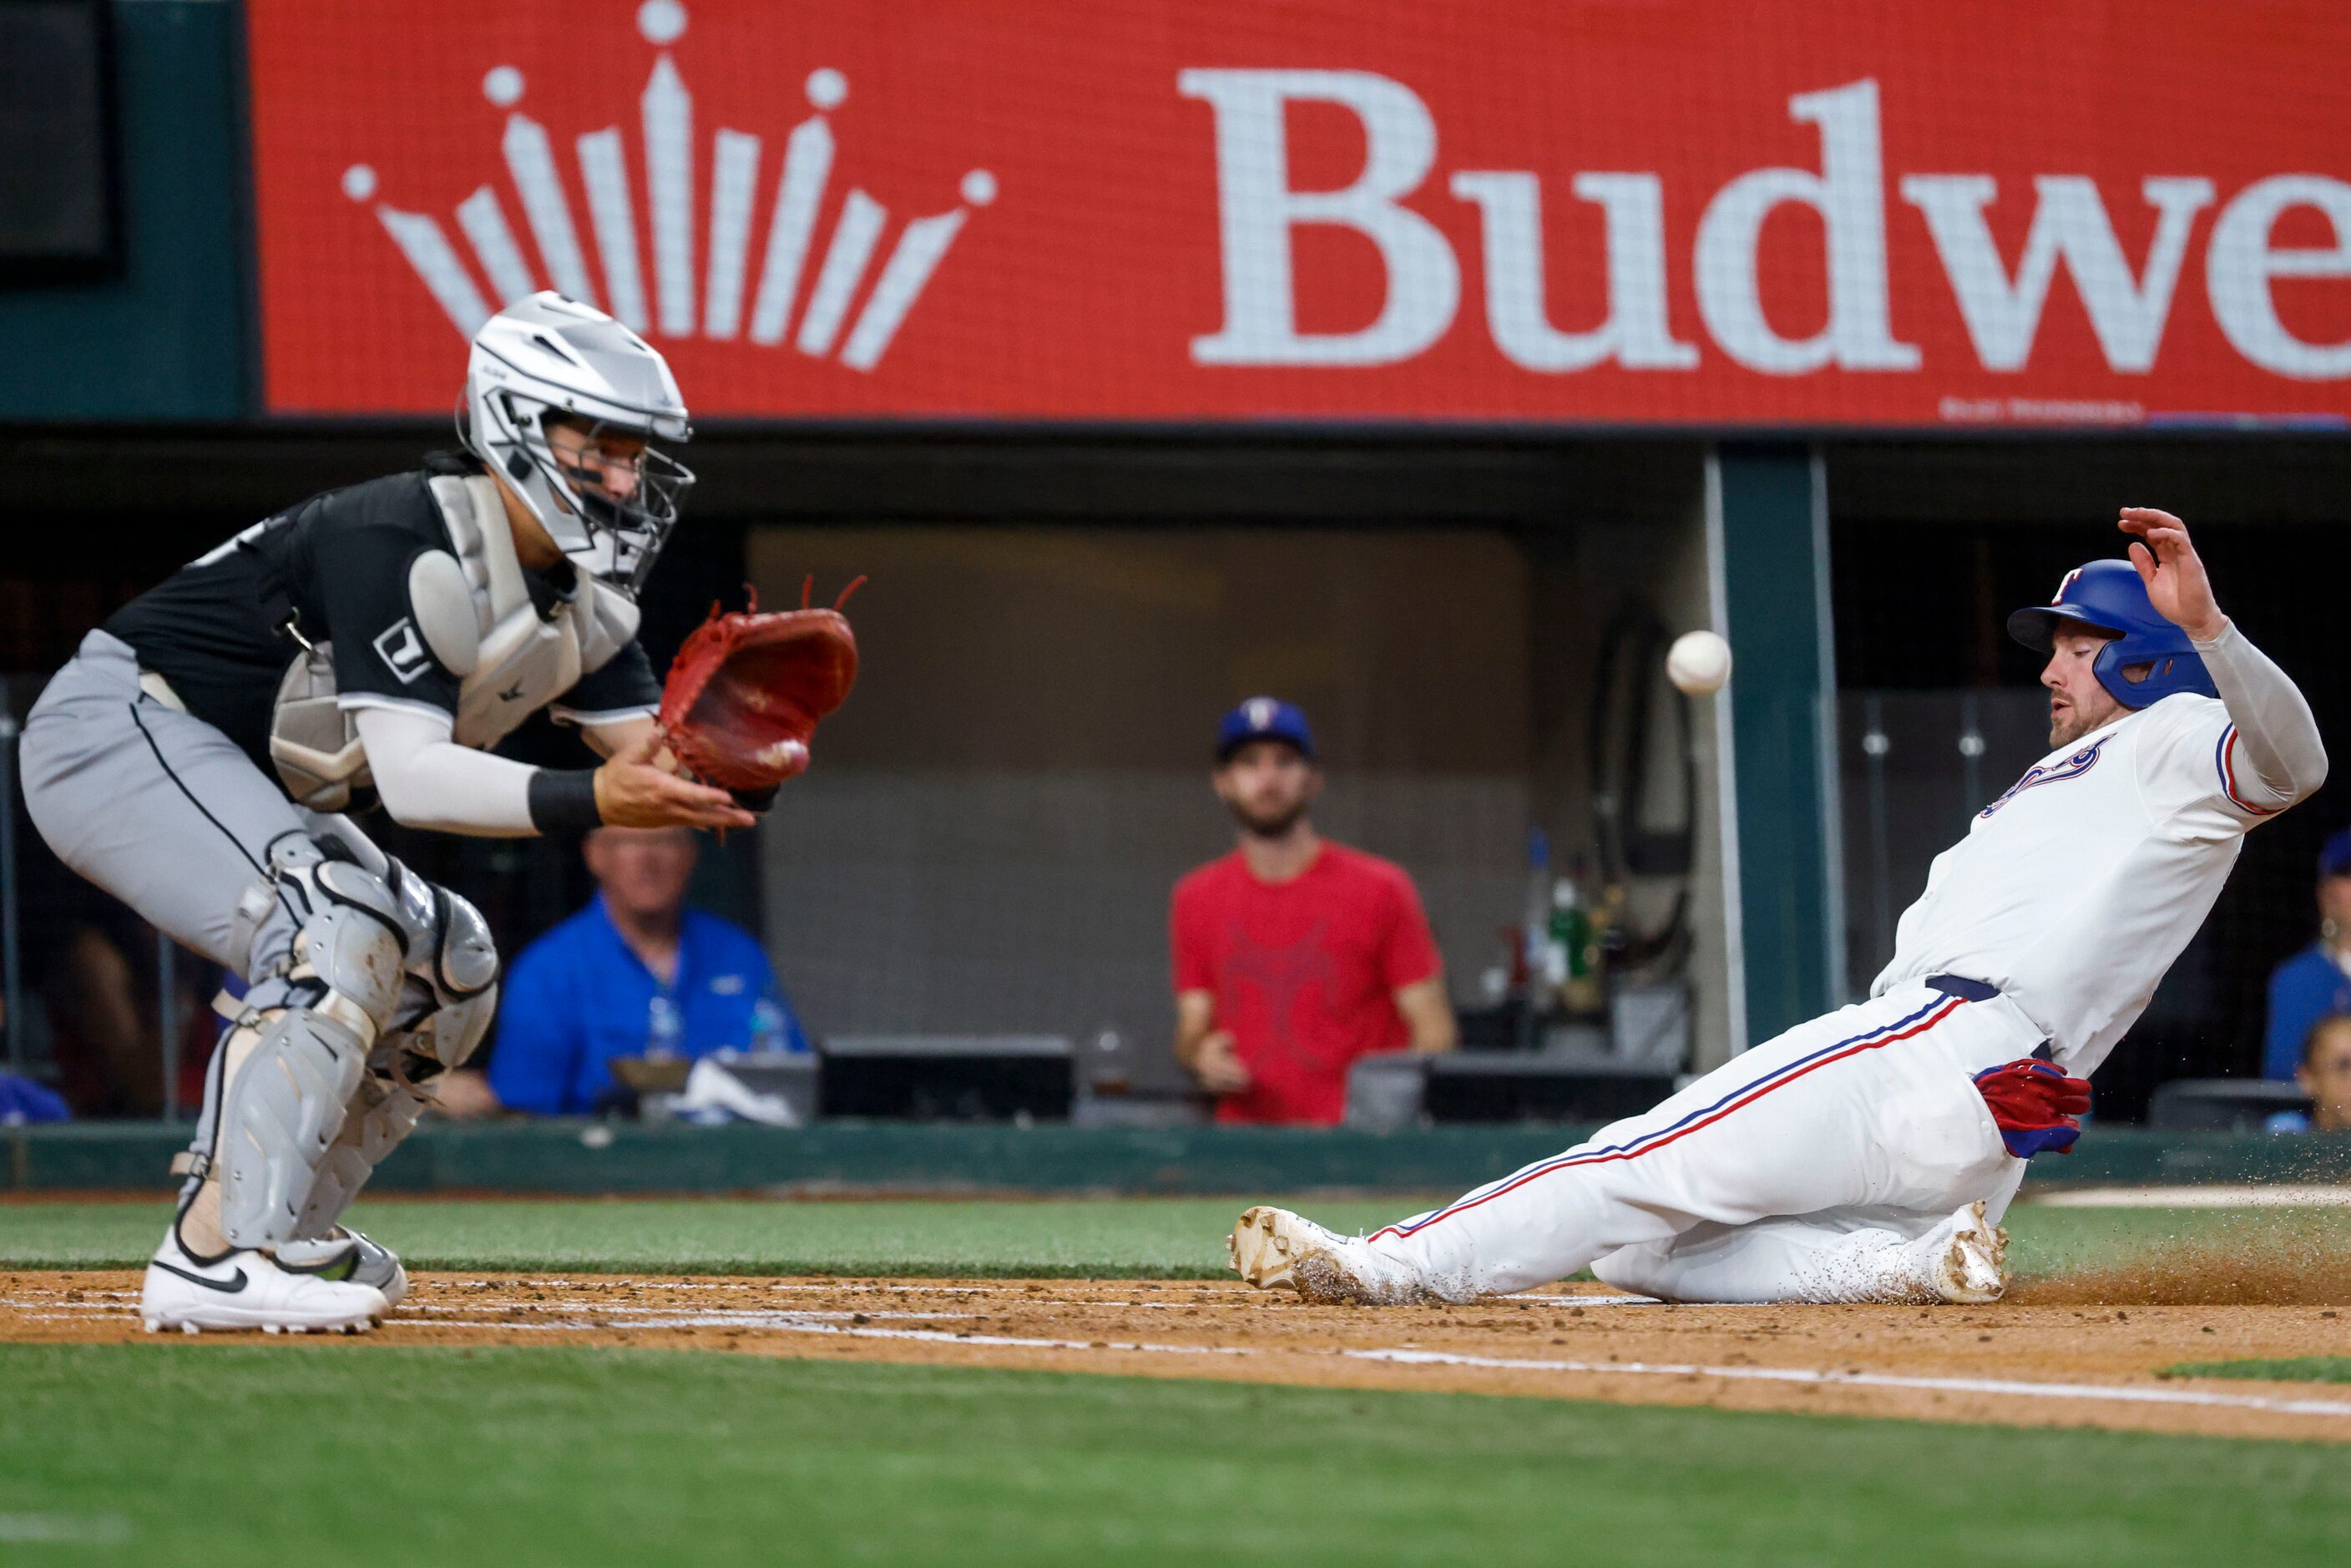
[[1699, 663]]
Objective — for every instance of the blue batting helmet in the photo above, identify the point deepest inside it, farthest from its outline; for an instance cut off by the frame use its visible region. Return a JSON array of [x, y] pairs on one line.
[[2107, 596]]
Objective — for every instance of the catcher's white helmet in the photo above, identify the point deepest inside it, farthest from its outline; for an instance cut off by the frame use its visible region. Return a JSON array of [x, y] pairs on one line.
[[552, 356]]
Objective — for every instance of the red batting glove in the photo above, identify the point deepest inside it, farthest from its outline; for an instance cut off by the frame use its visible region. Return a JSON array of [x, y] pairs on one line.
[[2035, 1104]]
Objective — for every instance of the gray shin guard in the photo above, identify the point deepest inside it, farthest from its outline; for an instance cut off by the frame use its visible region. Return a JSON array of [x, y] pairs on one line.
[[281, 1116], [381, 1115], [283, 1111]]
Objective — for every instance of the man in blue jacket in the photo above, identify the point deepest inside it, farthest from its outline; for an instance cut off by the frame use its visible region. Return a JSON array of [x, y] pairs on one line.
[[2315, 982], [635, 974]]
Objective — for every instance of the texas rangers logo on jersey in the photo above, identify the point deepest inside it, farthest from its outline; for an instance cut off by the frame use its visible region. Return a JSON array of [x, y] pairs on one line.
[[2074, 767]]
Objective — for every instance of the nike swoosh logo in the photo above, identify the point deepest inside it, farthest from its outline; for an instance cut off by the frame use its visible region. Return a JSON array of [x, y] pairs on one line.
[[514, 696], [226, 1287]]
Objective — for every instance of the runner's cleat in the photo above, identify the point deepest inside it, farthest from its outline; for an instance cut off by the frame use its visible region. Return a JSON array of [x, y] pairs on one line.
[[1272, 1246], [1968, 1258], [248, 1291]]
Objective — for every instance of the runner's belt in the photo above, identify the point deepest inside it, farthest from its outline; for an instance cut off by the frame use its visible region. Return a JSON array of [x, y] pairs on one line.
[[1961, 986]]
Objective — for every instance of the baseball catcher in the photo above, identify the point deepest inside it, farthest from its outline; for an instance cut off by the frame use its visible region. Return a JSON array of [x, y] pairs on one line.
[[201, 755], [1869, 1154]]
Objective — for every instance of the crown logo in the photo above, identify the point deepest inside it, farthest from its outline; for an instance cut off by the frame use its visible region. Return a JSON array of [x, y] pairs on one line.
[[688, 301]]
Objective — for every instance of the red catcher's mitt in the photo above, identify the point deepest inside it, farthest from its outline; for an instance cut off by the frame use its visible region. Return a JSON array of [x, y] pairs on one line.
[[745, 693]]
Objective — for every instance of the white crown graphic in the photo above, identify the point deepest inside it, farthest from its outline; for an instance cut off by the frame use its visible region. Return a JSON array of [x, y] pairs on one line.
[[668, 149]]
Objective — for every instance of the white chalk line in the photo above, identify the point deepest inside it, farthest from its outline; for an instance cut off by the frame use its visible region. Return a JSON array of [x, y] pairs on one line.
[[2306, 1194], [813, 1322], [2116, 1392], [784, 1322], [715, 1313], [1575, 1301]]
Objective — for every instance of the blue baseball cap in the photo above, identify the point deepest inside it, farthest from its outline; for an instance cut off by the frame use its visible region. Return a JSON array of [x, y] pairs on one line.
[[2334, 854], [1264, 718]]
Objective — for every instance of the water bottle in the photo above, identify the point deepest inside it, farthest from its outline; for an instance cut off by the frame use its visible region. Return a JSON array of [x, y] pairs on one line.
[[1534, 933], [1574, 951]]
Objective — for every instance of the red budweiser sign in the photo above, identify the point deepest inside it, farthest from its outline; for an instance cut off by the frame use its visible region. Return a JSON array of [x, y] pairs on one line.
[[1775, 213]]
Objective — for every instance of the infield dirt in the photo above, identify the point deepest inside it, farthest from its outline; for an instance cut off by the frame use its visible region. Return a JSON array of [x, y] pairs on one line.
[[2064, 1359]]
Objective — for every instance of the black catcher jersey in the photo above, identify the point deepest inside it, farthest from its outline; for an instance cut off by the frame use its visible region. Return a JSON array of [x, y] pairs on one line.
[[223, 629]]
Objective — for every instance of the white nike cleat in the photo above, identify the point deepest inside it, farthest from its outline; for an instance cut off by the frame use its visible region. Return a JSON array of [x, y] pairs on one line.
[[248, 1291], [350, 1255], [1272, 1246], [1967, 1257]]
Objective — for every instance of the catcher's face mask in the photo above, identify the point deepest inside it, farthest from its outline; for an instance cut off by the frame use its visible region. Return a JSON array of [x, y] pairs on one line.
[[624, 488]]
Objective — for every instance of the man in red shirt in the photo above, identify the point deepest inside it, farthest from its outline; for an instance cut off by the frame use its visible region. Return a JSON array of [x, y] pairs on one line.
[[1294, 955]]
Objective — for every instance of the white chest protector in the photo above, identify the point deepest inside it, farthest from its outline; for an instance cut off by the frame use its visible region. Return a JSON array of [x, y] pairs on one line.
[[474, 612]]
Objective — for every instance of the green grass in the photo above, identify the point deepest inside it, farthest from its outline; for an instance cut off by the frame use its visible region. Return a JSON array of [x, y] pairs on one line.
[[2285, 1369], [240, 1455], [1166, 1238], [2067, 1240]]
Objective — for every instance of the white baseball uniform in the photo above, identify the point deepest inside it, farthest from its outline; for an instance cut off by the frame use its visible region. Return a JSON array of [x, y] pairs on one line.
[[1800, 1170]]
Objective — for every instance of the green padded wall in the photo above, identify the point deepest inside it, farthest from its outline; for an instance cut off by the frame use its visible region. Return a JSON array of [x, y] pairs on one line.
[[166, 340]]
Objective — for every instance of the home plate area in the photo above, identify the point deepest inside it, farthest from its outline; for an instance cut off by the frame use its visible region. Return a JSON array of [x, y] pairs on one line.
[[2051, 1361]]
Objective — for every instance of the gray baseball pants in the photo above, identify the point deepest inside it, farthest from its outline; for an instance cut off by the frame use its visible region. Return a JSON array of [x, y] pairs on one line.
[[167, 814]]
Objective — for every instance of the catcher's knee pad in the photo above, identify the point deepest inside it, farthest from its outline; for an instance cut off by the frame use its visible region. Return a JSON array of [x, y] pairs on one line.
[[449, 950], [281, 1115], [451, 1033], [351, 948], [380, 1116]]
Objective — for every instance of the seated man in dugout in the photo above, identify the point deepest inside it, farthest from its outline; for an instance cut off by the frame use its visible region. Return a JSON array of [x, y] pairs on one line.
[[2315, 983], [635, 974], [1294, 955], [2325, 1075]]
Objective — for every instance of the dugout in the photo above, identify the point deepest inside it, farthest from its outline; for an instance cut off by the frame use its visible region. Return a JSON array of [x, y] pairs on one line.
[[1099, 506], [1056, 622], [1055, 626]]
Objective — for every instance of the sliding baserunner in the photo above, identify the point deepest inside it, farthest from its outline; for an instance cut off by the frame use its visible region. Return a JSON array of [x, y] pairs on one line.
[[1869, 1154]]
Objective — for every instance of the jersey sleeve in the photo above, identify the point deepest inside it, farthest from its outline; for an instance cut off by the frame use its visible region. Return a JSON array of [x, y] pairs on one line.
[[2190, 760], [2272, 755], [1409, 955], [380, 657], [622, 688]]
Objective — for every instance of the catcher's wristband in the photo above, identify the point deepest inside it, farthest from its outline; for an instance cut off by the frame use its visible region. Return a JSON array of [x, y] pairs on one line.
[[563, 800]]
